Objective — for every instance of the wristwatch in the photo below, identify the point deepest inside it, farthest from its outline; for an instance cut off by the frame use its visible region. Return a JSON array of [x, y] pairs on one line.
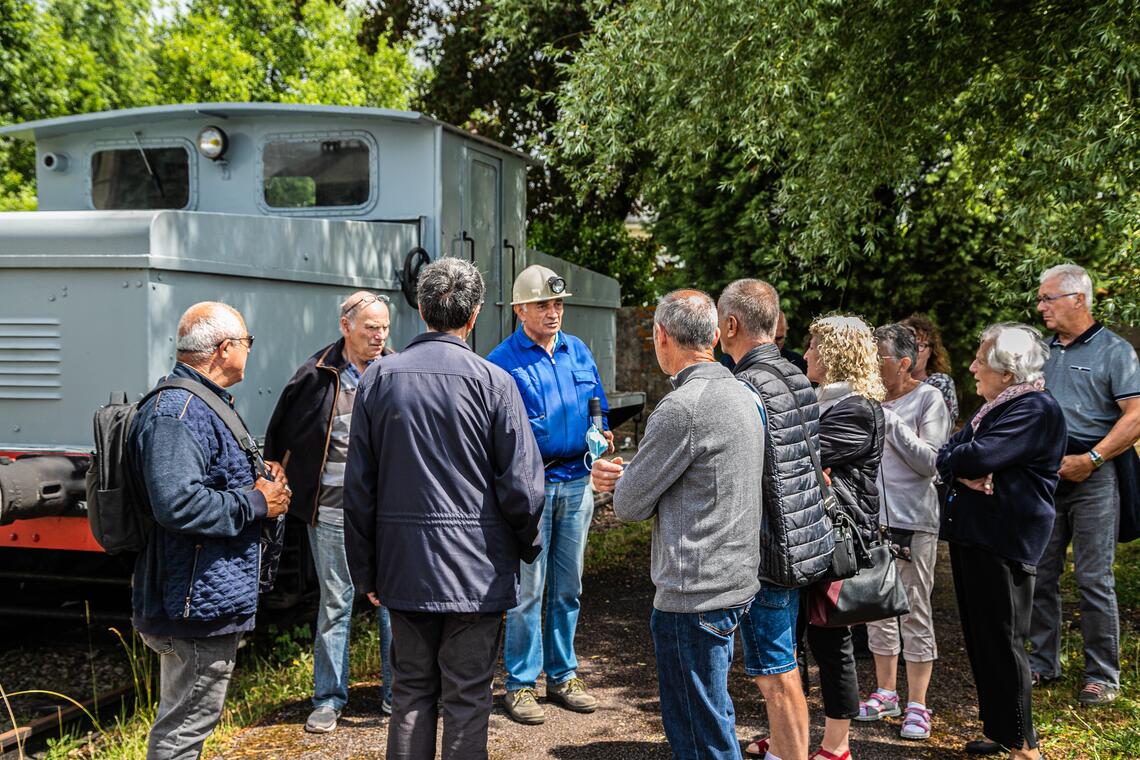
[[1096, 458]]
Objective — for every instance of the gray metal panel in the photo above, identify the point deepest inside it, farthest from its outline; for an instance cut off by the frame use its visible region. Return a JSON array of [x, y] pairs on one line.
[[333, 252], [591, 313], [71, 337], [402, 154], [220, 113]]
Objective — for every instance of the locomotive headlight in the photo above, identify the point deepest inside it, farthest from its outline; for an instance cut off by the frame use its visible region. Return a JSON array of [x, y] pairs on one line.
[[212, 143]]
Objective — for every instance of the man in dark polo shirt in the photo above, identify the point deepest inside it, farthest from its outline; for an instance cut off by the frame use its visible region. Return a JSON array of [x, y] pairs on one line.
[[1094, 375]]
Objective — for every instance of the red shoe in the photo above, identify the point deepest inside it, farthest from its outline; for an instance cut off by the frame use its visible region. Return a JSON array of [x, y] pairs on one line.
[[758, 747], [822, 754]]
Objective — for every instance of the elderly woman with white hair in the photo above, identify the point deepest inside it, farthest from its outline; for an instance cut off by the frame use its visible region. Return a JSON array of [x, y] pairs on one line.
[[998, 517]]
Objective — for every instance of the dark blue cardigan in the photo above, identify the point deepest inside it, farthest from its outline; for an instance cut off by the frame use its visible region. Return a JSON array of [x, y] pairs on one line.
[[1021, 442]]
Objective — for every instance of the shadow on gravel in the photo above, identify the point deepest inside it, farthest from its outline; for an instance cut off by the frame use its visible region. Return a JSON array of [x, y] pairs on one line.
[[607, 750]]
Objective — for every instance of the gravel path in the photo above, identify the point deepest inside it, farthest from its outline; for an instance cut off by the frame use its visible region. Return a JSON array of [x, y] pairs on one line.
[[616, 656]]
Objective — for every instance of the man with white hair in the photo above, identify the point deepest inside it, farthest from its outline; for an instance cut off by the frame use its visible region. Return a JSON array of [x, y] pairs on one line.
[[309, 432], [196, 581], [697, 474], [557, 376], [1094, 375]]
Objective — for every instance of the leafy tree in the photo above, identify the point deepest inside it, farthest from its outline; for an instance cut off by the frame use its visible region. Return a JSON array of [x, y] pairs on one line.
[[501, 87], [1032, 103], [265, 50]]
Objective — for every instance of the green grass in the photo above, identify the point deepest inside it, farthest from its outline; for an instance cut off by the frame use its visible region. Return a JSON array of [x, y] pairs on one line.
[[616, 546], [271, 673], [1069, 731]]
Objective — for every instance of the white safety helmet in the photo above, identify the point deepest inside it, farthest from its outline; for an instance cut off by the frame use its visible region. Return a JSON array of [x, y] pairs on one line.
[[537, 283]]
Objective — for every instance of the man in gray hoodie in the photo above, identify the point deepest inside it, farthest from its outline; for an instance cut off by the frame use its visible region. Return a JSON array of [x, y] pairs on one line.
[[697, 473]]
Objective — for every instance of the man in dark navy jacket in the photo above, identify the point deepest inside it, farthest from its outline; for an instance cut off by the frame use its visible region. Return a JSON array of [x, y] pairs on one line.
[[196, 581], [443, 495]]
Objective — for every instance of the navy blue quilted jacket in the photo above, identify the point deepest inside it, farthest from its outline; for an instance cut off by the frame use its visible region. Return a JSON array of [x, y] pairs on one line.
[[198, 574]]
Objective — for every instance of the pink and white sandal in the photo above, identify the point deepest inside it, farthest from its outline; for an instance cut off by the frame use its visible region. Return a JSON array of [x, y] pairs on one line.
[[878, 706], [916, 723]]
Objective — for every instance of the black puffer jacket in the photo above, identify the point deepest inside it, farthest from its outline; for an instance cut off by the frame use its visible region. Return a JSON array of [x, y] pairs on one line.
[[796, 538], [851, 444]]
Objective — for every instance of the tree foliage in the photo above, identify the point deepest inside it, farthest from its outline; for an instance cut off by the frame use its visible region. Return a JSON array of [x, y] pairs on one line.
[[502, 87], [1032, 105]]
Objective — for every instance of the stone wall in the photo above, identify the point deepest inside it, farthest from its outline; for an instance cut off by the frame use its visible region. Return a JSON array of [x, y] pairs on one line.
[[637, 368]]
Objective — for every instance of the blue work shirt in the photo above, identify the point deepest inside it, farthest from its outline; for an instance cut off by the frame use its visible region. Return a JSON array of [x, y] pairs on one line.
[[556, 391]]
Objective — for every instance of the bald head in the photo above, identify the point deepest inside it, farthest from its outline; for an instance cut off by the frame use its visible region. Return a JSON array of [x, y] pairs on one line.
[[755, 306], [361, 302], [204, 325]]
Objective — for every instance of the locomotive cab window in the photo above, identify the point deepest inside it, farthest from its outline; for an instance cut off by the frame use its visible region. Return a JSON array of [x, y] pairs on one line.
[[140, 178], [327, 172]]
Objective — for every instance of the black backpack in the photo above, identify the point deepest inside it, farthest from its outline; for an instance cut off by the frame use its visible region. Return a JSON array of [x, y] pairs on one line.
[[117, 505]]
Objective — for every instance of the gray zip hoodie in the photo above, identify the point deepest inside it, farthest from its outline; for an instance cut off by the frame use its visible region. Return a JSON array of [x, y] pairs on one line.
[[697, 474]]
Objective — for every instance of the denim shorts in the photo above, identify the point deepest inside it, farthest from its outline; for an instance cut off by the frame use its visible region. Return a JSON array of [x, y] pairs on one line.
[[768, 631]]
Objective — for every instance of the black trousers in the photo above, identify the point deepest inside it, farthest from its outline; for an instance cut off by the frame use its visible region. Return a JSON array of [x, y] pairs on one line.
[[442, 656], [995, 602], [834, 653]]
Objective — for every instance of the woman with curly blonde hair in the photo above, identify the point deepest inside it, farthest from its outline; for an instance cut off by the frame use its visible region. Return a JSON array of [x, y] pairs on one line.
[[843, 359]]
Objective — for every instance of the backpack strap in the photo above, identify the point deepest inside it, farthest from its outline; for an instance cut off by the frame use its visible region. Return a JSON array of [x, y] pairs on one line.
[[227, 413]]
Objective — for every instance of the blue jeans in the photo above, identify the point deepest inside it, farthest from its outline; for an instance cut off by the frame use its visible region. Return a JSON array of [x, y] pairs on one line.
[[1088, 515], [334, 619], [528, 649], [768, 631], [694, 653]]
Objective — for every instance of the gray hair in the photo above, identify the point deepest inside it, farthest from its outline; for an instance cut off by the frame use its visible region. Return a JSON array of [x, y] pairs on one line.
[[755, 304], [1017, 349], [899, 340], [1074, 279], [449, 290], [204, 325], [688, 317]]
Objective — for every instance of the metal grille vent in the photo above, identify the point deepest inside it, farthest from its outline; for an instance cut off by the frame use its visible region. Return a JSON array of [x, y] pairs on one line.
[[30, 358]]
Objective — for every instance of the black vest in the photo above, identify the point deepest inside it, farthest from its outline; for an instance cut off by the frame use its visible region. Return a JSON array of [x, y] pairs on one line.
[[796, 538]]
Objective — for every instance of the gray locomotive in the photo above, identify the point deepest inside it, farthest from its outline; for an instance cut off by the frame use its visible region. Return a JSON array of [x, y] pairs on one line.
[[279, 210]]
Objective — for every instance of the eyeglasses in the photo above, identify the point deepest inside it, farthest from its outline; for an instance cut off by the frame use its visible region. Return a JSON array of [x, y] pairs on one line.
[[247, 341], [887, 356], [1050, 299], [367, 300]]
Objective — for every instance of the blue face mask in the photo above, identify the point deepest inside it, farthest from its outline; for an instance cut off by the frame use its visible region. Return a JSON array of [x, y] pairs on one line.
[[596, 444]]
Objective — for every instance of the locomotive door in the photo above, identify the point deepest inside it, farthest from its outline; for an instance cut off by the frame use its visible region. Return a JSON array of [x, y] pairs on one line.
[[482, 240]]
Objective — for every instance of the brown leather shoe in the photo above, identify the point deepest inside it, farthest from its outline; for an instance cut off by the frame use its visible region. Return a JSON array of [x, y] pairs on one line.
[[572, 695], [522, 707]]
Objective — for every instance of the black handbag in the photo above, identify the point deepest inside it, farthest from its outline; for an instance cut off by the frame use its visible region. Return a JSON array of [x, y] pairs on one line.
[[874, 593], [845, 556]]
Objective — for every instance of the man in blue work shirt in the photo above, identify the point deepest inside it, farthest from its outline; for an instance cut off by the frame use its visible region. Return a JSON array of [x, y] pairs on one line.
[[556, 376]]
